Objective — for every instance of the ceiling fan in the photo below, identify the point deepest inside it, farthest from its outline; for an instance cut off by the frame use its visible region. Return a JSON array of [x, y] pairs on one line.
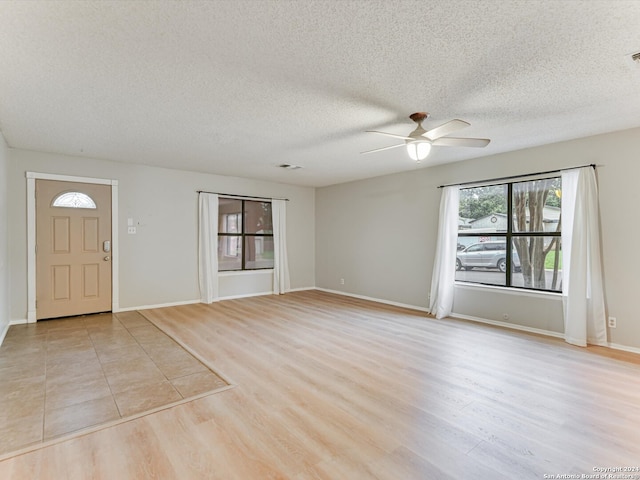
[[419, 141]]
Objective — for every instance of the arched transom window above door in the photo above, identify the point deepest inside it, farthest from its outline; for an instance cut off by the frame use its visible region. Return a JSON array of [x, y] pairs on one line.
[[73, 200]]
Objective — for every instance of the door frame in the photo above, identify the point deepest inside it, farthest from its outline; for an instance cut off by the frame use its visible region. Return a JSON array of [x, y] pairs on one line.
[[31, 235]]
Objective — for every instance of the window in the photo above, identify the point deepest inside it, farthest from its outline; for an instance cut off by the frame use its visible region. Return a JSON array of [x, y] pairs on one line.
[[510, 235], [245, 235], [74, 200]]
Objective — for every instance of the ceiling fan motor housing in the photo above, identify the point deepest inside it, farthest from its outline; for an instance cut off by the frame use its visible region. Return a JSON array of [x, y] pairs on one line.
[[418, 117]]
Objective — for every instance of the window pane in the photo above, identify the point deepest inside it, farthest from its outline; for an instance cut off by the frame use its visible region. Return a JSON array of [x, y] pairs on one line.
[[245, 238], [483, 209], [258, 217], [484, 231], [258, 252], [74, 200], [229, 215], [537, 263], [482, 260], [536, 205], [229, 252]]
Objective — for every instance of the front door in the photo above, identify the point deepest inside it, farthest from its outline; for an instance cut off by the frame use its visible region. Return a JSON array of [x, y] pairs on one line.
[[73, 248]]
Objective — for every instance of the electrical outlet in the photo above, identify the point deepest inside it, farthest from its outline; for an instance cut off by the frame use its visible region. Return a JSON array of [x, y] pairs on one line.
[[131, 230], [342, 281], [612, 322]]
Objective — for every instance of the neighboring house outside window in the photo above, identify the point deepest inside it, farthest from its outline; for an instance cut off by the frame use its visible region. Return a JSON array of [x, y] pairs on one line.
[[510, 235], [245, 235]]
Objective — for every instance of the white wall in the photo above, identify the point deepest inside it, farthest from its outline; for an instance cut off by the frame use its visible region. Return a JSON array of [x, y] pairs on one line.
[[379, 234], [376, 234], [159, 264], [4, 252]]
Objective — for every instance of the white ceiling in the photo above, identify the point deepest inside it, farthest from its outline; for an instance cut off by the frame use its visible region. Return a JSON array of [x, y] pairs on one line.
[[239, 87]]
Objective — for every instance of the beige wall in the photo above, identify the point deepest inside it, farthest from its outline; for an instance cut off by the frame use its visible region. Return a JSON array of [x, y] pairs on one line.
[[4, 252], [379, 234], [159, 264]]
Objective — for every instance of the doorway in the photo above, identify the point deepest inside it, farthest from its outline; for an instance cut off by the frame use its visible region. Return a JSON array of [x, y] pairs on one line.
[[71, 246]]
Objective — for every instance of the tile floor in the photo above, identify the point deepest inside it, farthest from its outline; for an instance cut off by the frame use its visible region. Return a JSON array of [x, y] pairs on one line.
[[59, 376]]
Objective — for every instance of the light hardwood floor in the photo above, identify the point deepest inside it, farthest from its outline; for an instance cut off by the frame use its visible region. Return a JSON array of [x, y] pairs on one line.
[[330, 387]]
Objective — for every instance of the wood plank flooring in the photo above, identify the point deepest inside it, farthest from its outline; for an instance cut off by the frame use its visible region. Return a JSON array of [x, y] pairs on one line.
[[330, 387]]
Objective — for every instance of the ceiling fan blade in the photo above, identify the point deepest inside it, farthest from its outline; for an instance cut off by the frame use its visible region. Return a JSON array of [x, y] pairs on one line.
[[445, 129], [461, 142], [390, 135], [384, 148]]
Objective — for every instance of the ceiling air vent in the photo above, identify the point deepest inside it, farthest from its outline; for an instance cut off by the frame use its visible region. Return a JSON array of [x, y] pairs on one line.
[[289, 166]]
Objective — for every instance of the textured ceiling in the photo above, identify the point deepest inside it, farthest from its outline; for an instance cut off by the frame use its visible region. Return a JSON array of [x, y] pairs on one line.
[[239, 87]]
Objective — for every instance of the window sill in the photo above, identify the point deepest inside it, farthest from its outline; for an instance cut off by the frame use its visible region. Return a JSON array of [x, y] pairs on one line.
[[233, 273], [507, 290]]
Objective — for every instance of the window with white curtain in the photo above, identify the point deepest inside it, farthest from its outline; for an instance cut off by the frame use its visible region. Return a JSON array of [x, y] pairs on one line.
[[245, 235], [509, 234]]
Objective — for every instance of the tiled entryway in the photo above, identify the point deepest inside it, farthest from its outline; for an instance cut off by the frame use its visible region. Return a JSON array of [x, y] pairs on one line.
[[59, 376]]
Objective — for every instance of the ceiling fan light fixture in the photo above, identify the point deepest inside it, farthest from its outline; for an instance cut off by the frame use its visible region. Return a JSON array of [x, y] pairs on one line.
[[420, 141], [418, 151]]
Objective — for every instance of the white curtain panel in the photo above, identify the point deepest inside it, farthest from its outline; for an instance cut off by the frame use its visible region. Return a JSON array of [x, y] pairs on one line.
[[281, 282], [444, 265], [582, 283], [208, 247]]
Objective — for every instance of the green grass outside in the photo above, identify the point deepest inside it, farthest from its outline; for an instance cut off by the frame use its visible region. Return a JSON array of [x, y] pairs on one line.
[[550, 259]]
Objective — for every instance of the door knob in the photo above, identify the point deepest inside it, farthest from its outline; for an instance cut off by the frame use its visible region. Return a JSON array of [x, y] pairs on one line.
[[107, 258]]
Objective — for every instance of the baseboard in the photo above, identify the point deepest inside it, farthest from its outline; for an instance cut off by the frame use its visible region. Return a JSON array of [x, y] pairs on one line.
[[174, 304], [539, 331], [453, 315], [511, 326], [372, 299], [245, 295], [19, 321], [260, 294], [191, 302], [302, 289], [3, 333], [624, 348], [159, 305]]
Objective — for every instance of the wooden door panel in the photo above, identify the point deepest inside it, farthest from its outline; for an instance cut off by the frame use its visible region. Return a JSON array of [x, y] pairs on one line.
[[90, 235], [73, 274], [61, 234], [90, 281], [61, 282]]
